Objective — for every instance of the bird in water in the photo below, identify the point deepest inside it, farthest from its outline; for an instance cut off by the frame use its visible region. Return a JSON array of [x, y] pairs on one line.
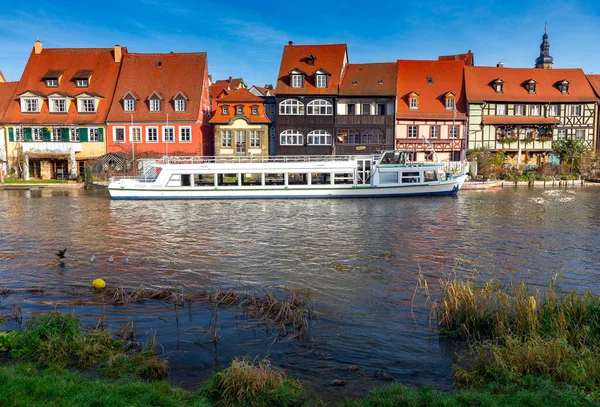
[[61, 253], [92, 259], [111, 258]]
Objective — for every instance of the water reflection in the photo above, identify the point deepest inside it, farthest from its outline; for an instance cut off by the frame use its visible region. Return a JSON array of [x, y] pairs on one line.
[[358, 259]]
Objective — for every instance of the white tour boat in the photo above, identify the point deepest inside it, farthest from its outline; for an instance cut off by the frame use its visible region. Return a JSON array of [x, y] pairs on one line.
[[383, 174]]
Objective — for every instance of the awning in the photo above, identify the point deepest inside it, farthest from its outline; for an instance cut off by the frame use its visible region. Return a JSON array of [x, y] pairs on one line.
[[519, 120]]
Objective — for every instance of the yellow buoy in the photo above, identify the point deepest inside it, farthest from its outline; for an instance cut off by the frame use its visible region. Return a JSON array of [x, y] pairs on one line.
[[98, 283]]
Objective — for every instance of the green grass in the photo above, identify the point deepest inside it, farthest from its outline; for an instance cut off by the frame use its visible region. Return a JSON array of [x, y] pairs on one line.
[[38, 181]]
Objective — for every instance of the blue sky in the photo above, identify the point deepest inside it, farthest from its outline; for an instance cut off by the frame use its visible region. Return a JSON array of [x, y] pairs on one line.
[[246, 38]]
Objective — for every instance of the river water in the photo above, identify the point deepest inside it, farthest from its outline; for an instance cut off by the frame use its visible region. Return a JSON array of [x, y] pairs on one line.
[[359, 260]]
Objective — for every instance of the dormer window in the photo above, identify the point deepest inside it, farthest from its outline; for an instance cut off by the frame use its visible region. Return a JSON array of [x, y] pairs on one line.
[[155, 105], [30, 105], [82, 78], [87, 105], [52, 83], [82, 83], [413, 101], [239, 109], [321, 81], [530, 86], [564, 87], [297, 81], [129, 105], [52, 78], [58, 105], [450, 101], [498, 84], [180, 105], [310, 59], [225, 110], [254, 110]]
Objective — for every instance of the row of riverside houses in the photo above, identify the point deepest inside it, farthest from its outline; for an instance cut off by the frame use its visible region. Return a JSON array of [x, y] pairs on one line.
[[73, 105]]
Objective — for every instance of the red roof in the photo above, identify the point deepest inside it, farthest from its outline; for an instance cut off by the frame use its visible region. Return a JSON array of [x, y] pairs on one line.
[[594, 80], [432, 80], [225, 84], [247, 100], [264, 90], [331, 58], [370, 79], [479, 79], [468, 58], [69, 61], [7, 90], [163, 74], [519, 120]]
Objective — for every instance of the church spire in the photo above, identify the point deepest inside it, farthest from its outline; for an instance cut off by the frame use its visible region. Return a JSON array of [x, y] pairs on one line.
[[544, 61]]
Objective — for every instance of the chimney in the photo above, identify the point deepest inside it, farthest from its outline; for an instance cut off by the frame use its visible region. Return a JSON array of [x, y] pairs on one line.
[[230, 78], [118, 54], [500, 65], [291, 43], [37, 46]]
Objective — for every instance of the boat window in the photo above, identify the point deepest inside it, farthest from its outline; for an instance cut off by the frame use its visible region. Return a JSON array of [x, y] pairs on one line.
[[186, 180], [395, 157], [297, 179], [429, 176], [321, 178], [204, 180], [343, 178], [410, 177], [252, 179], [274, 179], [388, 178], [228, 180], [174, 181]]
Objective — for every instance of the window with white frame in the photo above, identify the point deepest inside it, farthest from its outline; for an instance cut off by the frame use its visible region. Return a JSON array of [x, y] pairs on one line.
[[168, 134], [575, 110], [18, 134], [519, 110], [413, 131], [319, 138], [87, 106], [319, 107], [291, 138], [500, 110], [82, 83], [129, 105], [414, 103], [450, 103], [30, 105], [562, 134], [321, 81], [152, 134], [297, 81], [74, 136], [291, 107], [58, 105], [155, 105], [580, 134], [225, 110], [135, 134], [239, 109], [255, 138], [226, 138], [180, 105], [240, 141], [535, 110], [36, 134], [94, 134], [52, 83], [119, 134], [185, 134], [254, 110], [553, 110], [435, 132], [453, 131], [55, 135]]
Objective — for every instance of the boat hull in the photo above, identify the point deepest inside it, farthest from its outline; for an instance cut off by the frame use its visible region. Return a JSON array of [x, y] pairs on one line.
[[445, 188]]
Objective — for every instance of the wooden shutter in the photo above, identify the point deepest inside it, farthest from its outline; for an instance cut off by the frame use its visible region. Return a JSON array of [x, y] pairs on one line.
[[27, 134], [64, 134], [100, 134], [11, 134], [83, 134], [46, 135]]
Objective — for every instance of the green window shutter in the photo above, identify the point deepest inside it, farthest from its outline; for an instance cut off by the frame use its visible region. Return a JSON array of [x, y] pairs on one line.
[[11, 134], [83, 134], [64, 134], [100, 134], [27, 134], [46, 135]]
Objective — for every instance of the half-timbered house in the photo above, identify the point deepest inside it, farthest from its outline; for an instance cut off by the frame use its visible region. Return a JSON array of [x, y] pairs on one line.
[[594, 80], [523, 110], [7, 89]]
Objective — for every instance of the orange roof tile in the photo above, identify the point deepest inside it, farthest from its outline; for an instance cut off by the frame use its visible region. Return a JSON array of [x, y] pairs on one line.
[[478, 86], [7, 90], [165, 75], [370, 79], [468, 58], [594, 80], [331, 58], [519, 120], [69, 60], [247, 100], [432, 80]]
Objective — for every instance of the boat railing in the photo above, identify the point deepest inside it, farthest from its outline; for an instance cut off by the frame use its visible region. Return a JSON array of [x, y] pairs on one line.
[[135, 177], [252, 159]]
